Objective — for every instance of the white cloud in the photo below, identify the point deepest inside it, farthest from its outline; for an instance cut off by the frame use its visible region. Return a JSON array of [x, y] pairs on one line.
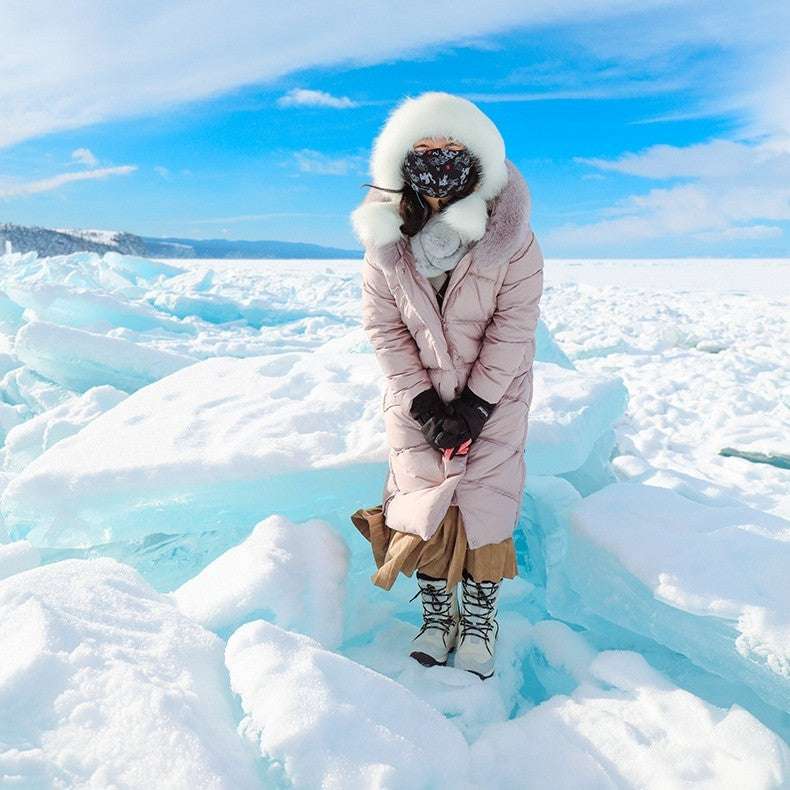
[[10, 190], [752, 232], [63, 67], [309, 161], [711, 159], [735, 53], [702, 212], [85, 157], [731, 191], [299, 97], [162, 171], [597, 85]]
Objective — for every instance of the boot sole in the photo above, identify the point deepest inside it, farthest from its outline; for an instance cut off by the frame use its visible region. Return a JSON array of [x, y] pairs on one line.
[[482, 677], [430, 661], [426, 660]]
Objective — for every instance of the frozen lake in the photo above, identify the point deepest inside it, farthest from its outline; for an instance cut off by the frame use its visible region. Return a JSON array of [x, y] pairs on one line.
[[182, 593]]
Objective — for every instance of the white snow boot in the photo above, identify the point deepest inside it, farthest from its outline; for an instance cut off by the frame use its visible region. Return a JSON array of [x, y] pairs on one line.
[[436, 639], [478, 629]]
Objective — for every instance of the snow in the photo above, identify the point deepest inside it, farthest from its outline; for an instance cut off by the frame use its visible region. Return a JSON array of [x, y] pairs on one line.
[[237, 422], [21, 555], [626, 726], [623, 725], [221, 422], [294, 573], [103, 236], [755, 276], [687, 400], [183, 598], [104, 683], [27, 441], [372, 731], [570, 412], [80, 272]]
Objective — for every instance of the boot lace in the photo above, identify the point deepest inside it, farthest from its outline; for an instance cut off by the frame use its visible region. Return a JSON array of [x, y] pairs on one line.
[[478, 610], [436, 608]]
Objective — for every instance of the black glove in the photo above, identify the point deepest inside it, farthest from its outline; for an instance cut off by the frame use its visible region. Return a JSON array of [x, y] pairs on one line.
[[430, 411], [468, 415]]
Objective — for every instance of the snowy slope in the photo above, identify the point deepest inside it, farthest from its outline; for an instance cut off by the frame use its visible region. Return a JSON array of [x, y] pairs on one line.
[[21, 238]]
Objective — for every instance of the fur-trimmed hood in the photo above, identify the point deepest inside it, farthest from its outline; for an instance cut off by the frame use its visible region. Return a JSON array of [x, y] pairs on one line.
[[432, 114], [505, 229]]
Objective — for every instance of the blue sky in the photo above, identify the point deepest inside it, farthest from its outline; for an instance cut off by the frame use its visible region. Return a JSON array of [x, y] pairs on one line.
[[650, 129]]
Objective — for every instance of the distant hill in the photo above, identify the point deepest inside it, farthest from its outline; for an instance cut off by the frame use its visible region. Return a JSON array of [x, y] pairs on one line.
[[21, 238], [46, 241], [223, 248]]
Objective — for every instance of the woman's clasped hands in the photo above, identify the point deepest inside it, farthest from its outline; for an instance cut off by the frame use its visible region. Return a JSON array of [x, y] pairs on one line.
[[450, 428]]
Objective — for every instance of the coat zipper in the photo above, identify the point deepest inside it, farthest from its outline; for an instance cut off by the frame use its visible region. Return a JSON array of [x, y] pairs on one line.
[[451, 286], [432, 295], [428, 291]]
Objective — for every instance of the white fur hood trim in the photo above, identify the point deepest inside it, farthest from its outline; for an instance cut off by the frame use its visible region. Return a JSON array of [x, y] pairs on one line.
[[438, 114], [433, 114]]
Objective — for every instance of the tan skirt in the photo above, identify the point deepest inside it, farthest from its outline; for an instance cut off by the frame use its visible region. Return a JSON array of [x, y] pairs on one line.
[[443, 556]]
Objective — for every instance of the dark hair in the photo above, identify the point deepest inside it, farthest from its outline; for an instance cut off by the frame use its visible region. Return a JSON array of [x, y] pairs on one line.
[[415, 212]]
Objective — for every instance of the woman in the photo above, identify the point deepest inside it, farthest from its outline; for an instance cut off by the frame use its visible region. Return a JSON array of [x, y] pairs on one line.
[[452, 280]]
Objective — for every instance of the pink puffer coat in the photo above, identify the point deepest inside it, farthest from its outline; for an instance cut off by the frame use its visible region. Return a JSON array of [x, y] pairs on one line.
[[483, 335]]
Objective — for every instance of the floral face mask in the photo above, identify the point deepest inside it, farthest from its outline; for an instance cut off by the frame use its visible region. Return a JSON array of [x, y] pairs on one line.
[[439, 172]]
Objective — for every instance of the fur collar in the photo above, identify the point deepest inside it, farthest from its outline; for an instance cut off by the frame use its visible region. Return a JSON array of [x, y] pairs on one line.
[[500, 226]]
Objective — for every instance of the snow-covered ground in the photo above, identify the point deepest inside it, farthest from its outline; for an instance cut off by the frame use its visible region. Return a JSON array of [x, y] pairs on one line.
[[184, 601], [702, 347]]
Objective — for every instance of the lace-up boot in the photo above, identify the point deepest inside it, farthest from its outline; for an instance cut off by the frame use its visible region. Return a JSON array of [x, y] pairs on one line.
[[478, 629], [437, 636]]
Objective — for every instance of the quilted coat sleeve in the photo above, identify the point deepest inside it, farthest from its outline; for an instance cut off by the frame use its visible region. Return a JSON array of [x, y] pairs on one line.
[[509, 340], [395, 347]]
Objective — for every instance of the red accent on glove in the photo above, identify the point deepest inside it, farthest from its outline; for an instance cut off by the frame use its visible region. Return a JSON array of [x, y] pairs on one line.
[[451, 452]]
